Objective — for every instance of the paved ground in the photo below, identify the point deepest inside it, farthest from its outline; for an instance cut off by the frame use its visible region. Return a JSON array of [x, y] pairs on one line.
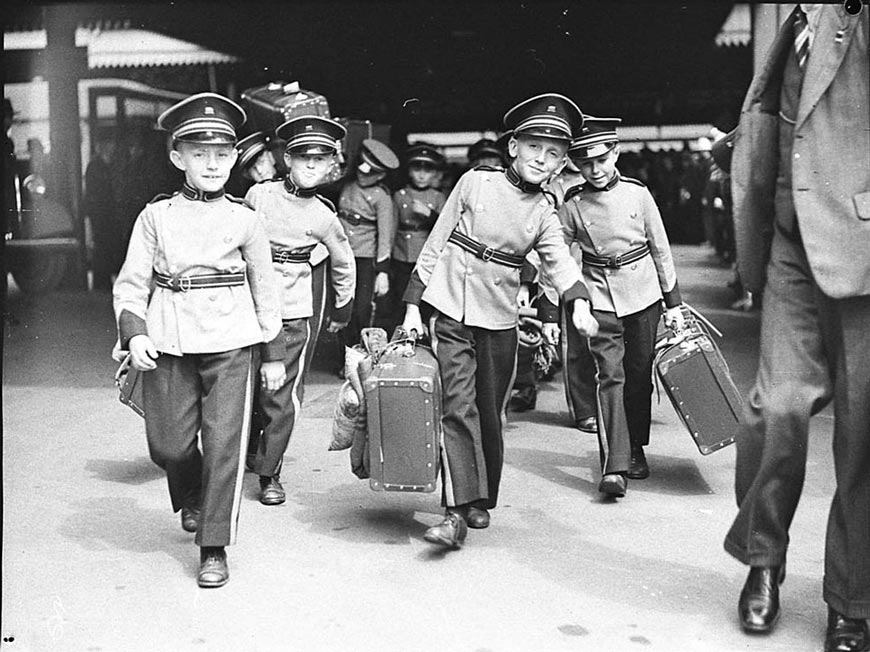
[[94, 559]]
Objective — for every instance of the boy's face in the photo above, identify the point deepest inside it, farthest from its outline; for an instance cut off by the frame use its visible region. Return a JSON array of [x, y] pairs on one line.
[[263, 167], [422, 174], [366, 179], [206, 166], [537, 158], [308, 170], [601, 169]]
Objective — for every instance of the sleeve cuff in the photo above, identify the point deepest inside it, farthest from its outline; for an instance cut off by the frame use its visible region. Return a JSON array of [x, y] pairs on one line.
[[129, 326], [576, 291], [672, 298], [382, 266], [414, 290], [528, 272], [274, 350], [548, 312], [342, 314]]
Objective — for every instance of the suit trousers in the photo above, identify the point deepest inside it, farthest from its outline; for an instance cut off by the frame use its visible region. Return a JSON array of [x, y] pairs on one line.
[[361, 316], [578, 371], [207, 394], [276, 412], [623, 351], [814, 349], [477, 368]]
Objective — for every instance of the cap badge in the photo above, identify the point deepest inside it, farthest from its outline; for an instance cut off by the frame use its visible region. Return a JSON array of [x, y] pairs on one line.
[[309, 127], [209, 110], [551, 108]]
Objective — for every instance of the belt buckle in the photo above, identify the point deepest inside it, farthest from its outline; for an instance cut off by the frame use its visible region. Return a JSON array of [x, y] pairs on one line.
[[180, 283], [487, 254], [283, 257], [615, 262]]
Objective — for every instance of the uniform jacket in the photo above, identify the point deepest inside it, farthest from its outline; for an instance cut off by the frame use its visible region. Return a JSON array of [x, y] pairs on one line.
[[175, 235], [372, 236], [487, 207], [414, 228], [612, 222], [830, 170], [300, 224]]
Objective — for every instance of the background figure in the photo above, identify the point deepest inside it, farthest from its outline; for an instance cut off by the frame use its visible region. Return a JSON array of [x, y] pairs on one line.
[[801, 187], [101, 208]]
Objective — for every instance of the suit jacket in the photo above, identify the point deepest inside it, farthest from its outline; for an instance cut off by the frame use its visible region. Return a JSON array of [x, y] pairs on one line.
[[831, 172]]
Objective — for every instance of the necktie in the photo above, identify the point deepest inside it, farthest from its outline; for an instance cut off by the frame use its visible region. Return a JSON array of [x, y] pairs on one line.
[[801, 37]]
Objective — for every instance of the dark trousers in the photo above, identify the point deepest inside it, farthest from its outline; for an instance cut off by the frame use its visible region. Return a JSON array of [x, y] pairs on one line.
[[477, 370], [390, 310], [361, 316], [276, 412], [209, 394], [578, 372], [813, 349], [623, 351]]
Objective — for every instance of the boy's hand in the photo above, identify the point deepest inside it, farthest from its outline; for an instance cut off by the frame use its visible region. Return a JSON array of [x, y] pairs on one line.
[[143, 353], [550, 331], [382, 284], [583, 320], [523, 296], [420, 207], [272, 375], [335, 326], [674, 319], [413, 323]]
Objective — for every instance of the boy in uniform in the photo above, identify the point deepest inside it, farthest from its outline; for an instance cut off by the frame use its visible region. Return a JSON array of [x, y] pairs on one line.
[[298, 223], [417, 207], [256, 161], [196, 293], [367, 215], [628, 268], [469, 272]]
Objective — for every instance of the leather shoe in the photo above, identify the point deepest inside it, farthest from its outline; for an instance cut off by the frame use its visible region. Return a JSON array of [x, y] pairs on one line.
[[189, 518], [477, 518], [524, 400], [638, 469], [450, 532], [213, 570], [613, 484], [271, 491], [587, 424], [759, 600], [846, 634]]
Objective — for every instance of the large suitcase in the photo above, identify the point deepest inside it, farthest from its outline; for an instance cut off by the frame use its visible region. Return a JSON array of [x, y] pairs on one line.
[[699, 385], [357, 132], [403, 407], [270, 106]]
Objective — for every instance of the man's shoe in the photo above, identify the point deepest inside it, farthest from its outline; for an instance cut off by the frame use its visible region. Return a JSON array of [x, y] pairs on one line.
[[759, 600], [450, 532], [846, 634], [613, 484], [638, 469], [271, 491], [189, 518], [524, 400], [477, 518], [213, 570], [587, 424]]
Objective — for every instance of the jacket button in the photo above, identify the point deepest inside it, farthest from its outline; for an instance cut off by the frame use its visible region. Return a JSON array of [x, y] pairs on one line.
[[307, 231], [797, 155], [497, 281], [634, 266]]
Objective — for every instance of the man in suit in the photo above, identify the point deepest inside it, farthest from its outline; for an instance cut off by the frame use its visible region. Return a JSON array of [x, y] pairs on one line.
[[801, 190]]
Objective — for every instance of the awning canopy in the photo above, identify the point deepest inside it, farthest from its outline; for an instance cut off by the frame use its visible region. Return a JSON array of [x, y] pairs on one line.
[[737, 28], [125, 48]]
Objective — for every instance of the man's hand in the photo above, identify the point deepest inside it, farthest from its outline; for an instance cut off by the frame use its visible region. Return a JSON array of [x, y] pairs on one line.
[[674, 319], [272, 375], [335, 326], [143, 353], [583, 320], [413, 323], [551, 332], [382, 284]]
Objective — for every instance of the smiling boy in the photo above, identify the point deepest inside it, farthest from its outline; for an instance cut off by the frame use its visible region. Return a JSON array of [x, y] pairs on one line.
[[195, 294], [469, 272]]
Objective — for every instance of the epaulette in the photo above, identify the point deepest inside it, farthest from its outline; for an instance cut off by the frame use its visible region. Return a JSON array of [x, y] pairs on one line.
[[572, 191], [551, 196], [385, 188], [162, 196], [636, 182], [489, 168], [239, 200], [327, 202]]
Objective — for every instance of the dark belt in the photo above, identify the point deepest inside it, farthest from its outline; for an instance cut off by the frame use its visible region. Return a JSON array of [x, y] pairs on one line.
[[355, 219], [615, 262], [286, 256], [178, 283], [485, 253]]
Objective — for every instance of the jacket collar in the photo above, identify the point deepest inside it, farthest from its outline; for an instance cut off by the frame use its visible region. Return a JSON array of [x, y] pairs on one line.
[[517, 181], [293, 189], [194, 194], [588, 187]]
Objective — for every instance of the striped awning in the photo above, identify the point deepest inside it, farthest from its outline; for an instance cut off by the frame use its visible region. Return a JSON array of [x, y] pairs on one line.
[[737, 28]]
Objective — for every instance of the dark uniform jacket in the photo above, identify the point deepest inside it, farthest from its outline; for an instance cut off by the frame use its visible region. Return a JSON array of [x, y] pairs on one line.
[[369, 220], [414, 228]]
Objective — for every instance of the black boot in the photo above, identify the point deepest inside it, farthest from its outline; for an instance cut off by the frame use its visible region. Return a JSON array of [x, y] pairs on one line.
[[759, 599]]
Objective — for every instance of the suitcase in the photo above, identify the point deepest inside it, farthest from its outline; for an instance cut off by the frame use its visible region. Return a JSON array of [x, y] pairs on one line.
[[129, 383], [403, 407], [357, 132], [270, 106], [697, 381]]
